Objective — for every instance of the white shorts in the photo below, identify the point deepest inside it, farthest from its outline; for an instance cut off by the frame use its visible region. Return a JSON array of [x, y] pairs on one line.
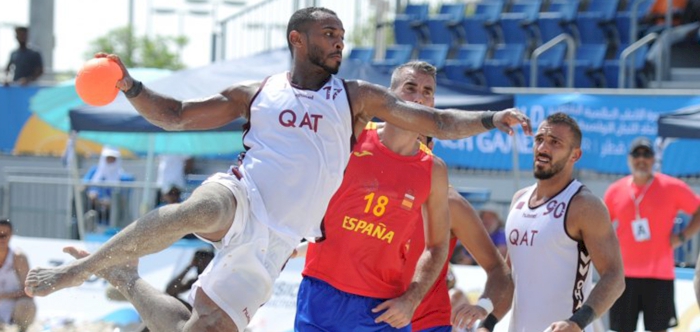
[[248, 260]]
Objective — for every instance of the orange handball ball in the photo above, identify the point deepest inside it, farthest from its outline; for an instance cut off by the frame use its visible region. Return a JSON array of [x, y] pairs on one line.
[[96, 82]]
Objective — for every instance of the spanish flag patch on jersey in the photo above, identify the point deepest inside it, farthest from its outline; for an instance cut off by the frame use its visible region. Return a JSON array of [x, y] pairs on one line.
[[407, 202]]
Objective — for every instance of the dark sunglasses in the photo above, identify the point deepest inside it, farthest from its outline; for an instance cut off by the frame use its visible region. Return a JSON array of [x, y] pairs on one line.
[[645, 154]]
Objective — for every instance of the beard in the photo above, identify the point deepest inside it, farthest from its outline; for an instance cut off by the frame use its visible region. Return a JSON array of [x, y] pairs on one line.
[[316, 57], [545, 174]]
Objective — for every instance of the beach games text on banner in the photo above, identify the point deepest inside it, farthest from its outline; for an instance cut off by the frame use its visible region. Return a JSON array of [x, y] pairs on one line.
[[608, 122]]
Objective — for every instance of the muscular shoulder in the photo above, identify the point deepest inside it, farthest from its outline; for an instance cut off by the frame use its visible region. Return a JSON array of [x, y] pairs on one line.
[[585, 200], [357, 86], [241, 92], [365, 96], [439, 165], [586, 210], [517, 196]]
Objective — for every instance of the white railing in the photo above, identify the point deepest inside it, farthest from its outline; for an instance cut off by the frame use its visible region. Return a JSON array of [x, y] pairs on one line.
[[570, 54], [626, 70]]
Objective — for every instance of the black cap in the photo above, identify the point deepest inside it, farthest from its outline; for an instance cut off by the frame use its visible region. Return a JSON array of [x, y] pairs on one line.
[[641, 142]]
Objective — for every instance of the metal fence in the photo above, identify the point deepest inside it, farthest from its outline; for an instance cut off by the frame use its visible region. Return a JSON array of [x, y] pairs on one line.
[[263, 26], [41, 202]]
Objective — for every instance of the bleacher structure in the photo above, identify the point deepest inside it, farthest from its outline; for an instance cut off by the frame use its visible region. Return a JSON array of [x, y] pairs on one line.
[[491, 43]]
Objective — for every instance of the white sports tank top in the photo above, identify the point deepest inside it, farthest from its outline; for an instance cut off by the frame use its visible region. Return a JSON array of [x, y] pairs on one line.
[[299, 143], [551, 270], [9, 282]]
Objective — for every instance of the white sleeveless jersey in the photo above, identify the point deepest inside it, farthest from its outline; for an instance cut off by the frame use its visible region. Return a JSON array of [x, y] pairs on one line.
[[551, 270], [299, 143], [9, 282]]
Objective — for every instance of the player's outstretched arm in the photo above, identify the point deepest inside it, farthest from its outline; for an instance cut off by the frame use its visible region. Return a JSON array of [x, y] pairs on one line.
[[588, 220], [197, 114], [399, 311], [371, 100], [470, 231]]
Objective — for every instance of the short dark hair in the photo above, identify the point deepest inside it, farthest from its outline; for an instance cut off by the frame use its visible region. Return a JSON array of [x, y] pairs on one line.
[[565, 119], [5, 222], [300, 20], [21, 29], [417, 65]]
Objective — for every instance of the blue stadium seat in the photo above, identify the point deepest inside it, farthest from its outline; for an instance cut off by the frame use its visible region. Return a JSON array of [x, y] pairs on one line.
[[467, 65], [557, 19], [611, 68], [363, 54], [405, 33], [395, 55], [588, 66], [442, 27], [434, 54], [623, 20], [604, 10], [417, 11], [499, 70], [516, 26], [550, 66], [409, 27], [596, 23], [589, 30], [479, 27]]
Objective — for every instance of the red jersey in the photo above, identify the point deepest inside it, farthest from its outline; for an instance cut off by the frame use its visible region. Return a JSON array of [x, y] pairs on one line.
[[435, 308], [658, 204], [370, 220]]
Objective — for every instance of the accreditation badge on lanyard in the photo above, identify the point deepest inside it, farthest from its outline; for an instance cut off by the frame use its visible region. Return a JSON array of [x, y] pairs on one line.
[[640, 226]]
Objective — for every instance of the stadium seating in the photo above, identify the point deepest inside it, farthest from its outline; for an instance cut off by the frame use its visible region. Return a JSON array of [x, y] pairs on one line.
[[442, 27], [588, 66], [467, 65], [500, 69], [516, 26], [363, 54], [623, 20], [558, 19], [435, 54], [479, 28], [492, 46], [409, 26], [394, 56], [550, 67], [638, 62], [596, 23]]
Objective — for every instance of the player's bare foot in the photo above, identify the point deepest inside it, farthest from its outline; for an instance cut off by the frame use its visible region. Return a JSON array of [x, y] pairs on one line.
[[118, 275], [44, 281]]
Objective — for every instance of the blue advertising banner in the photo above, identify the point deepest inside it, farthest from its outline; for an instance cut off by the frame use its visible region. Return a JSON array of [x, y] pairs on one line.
[[608, 122], [14, 112]]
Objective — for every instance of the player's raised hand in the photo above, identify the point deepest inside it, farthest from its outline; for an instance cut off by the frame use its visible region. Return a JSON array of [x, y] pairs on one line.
[[504, 120], [127, 81]]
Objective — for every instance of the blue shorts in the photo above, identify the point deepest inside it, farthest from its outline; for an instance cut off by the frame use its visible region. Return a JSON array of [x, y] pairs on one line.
[[321, 307], [438, 329]]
